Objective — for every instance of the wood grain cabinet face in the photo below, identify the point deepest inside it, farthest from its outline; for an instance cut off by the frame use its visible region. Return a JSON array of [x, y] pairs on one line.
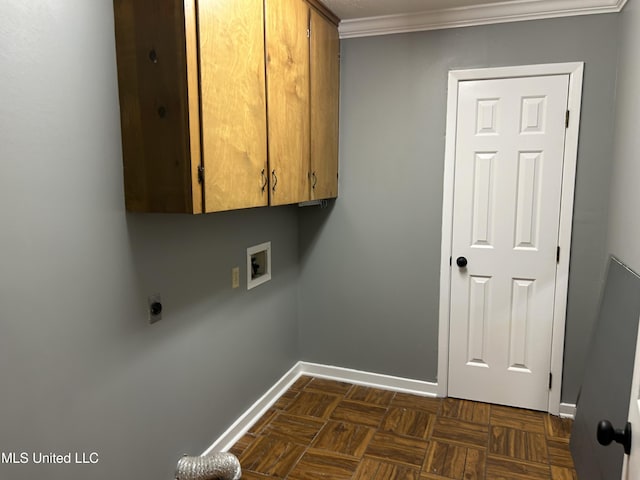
[[302, 97], [232, 87], [287, 23], [325, 99], [194, 85]]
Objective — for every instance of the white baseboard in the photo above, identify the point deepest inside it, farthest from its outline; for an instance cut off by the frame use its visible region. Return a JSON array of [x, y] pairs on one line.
[[375, 380], [568, 410], [254, 412], [357, 377], [368, 379]]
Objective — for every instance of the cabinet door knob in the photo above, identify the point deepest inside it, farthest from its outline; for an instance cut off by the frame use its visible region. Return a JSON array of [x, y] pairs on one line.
[[315, 180], [275, 180]]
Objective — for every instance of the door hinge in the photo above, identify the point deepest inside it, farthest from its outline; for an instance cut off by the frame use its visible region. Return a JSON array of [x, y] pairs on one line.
[[308, 33], [558, 255], [550, 380], [566, 119], [200, 174]]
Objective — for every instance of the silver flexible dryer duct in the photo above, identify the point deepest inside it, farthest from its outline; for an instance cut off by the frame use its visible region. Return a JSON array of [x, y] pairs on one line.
[[216, 466]]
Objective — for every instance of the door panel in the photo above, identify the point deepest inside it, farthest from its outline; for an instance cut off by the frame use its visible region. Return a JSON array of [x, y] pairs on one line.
[[286, 27], [508, 179], [325, 99], [234, 127], [478, 320]]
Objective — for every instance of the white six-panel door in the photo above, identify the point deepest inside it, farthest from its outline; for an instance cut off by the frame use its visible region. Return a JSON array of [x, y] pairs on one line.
[[509, 151]]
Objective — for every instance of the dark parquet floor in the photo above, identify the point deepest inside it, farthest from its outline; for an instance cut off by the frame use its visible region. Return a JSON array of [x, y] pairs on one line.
[[329, 430]]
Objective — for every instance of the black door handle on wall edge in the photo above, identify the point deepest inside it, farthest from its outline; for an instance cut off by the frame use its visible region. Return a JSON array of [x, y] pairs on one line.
[[607, 434]]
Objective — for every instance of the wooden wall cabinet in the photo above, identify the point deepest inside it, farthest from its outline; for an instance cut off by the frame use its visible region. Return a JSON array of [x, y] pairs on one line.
[[193, 84], [303, 64]]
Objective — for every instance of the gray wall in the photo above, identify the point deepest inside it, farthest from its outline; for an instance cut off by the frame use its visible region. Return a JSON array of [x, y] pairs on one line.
[[370, 265], [605, 396], [80, 368], [624, 223]]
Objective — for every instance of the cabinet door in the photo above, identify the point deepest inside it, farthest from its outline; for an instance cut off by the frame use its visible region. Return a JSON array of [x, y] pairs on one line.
[[287, 23], [325, 98], [232, 82]]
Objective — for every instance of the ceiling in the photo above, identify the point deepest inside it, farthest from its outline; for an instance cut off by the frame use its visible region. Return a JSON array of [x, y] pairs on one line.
[[378, 17]]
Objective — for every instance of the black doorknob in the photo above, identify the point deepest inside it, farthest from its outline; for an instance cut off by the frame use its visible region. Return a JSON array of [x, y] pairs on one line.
[[461, 262], [607, 434]]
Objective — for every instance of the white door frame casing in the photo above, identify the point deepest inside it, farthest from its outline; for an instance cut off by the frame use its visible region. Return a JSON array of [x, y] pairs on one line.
[[575, 71]]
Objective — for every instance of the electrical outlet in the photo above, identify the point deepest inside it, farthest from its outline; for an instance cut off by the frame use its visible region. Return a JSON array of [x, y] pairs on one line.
[[155, 308], [235, 277]]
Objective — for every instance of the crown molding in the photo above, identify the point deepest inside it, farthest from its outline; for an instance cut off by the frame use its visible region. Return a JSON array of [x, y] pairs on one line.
[[486, 14]]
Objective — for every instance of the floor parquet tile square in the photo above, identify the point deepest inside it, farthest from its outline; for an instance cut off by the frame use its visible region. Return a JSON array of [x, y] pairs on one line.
[[375, 469], [241, 445], [319, 465], [313, 404], [559, 454], [357, 412], [345, 438], [300, 383], [373, 396], [322, 429], [465, 410], [557, 428], [563, 473], [285, 400], [328, 386], [394, 448], [262, 421], [271, 456], [301, 430], [450, 430], [518, 444], [499, 468], [406, 400], [517, 418], [408, 422], [454, 462]]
